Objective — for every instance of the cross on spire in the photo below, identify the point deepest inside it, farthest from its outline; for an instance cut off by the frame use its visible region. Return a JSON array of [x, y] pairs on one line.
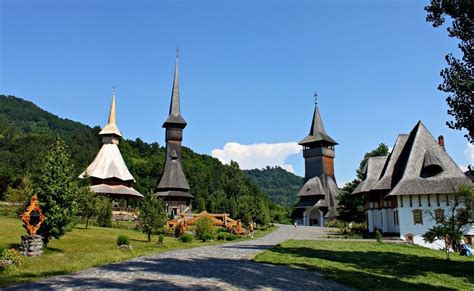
[[315, 98], [177, 51], [114, 89]]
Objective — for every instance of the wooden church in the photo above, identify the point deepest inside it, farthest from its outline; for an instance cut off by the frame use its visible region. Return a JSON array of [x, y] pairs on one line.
[[108, 172]]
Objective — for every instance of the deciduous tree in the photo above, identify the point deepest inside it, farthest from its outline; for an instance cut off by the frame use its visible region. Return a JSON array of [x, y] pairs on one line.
[[151, 213], [458, 77]]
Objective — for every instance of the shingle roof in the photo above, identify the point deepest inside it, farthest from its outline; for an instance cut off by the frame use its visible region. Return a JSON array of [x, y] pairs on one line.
[[108, 164], [323, 189], [317, 131], [417, 165], [173, 176], [424, 150], [115, 190], [312, 187], [374, 168], [111, 127], [387, 181], [175, 110], [174, 194]]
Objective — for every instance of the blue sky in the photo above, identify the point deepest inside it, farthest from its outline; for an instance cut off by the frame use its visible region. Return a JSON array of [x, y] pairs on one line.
[[248, 71]]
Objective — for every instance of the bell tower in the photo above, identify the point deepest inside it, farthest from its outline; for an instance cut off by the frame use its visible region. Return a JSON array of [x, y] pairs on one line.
[[318, 149]]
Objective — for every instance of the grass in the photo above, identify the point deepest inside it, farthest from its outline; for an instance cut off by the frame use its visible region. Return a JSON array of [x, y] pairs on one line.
[[83, 248], [371, 265], [8, 210]]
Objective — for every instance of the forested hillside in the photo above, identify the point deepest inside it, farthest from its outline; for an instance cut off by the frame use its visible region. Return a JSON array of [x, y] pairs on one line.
[[280, 185], [26, 131]]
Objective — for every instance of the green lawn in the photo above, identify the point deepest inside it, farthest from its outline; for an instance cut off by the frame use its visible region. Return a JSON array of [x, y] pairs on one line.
[[367, 265], [80, 249]]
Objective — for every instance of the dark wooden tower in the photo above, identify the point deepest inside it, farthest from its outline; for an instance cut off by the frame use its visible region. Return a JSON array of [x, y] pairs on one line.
[[317, 197], [173, 187], [318, 149]]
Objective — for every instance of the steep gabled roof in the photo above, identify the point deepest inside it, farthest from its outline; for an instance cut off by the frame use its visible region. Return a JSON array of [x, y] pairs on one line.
[[317, 131], [108, 164], [173, 176], [175, 106], [387, 180], [374, 167], [415, 172], [111, 127]]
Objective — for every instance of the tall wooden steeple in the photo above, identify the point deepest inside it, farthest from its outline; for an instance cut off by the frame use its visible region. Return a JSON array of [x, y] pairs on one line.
[[173, 186]]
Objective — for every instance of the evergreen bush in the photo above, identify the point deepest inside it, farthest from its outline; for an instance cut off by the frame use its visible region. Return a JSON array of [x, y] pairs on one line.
[[161, 238], [204, 228], [123, 240], [231, 237], [186, 238], [222, 236], [207, 237], [104, 215]]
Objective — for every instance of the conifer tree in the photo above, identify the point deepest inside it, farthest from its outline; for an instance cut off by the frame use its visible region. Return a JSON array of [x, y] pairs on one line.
[[54, 184]]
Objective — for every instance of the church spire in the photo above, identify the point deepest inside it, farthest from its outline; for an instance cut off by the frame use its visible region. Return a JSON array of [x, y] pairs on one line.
[[111, 127], [317, 131], [175, 117]]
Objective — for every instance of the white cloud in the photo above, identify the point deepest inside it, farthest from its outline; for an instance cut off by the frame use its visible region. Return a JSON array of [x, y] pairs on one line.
[[257, 155]]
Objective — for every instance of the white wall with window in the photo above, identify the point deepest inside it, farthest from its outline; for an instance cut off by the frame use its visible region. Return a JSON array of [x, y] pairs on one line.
[[418, 214]]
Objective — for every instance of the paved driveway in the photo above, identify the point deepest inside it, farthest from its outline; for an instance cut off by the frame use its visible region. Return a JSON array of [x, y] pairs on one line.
[[226, 266]]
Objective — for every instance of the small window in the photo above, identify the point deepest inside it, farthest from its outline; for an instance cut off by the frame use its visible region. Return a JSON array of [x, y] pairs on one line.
[[439, 215], [417, 216], [395, 217]]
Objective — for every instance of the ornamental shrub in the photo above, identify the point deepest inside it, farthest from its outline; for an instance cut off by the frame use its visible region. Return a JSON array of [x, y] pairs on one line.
[[161, 238], [204, 228], [207, 237], [104, 216], [9, 258], [123, 240], [222, 236], [186, 238], [231, 237]]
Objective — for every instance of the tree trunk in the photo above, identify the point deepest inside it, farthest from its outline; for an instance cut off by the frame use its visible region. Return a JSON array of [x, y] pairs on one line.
[[87, 222], [149, 237]]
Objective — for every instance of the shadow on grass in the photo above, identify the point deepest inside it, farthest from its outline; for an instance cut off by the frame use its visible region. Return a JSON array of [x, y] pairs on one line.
[[53, 250], [11, 278], [141, 240], [376, 265], [203, 274]]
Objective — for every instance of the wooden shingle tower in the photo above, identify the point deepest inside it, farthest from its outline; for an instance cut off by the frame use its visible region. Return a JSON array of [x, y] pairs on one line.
[[317, 197], [173, 187]]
